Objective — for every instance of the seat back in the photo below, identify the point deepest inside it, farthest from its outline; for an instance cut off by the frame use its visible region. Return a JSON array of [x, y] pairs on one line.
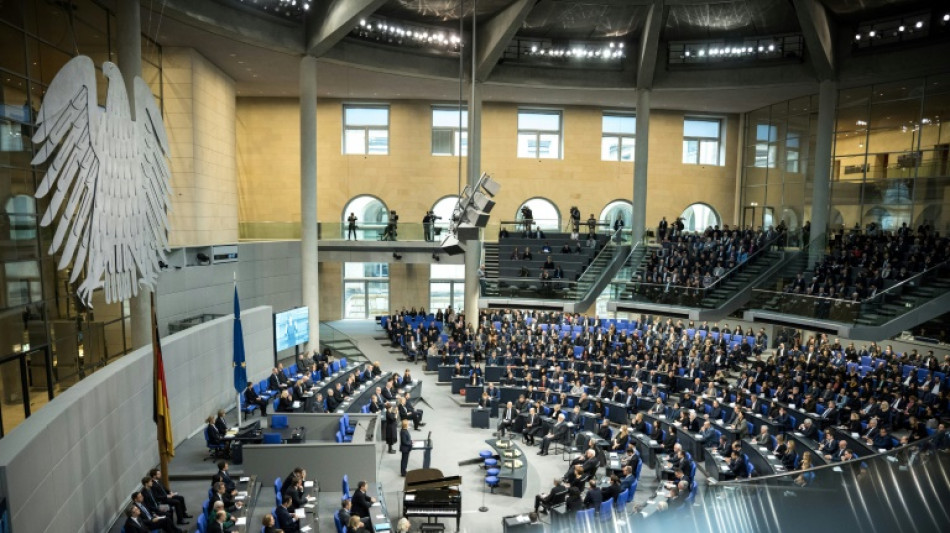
[[271, 438], [337, 523], [339, 436], [202, 523], [278, 421], [346, 486], [605, 508], [649, 428]]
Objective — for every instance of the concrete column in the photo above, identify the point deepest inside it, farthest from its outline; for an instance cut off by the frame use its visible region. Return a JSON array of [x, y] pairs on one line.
[[308, 195], [821, 191], [473, 249], [641, 158], [129, 42]]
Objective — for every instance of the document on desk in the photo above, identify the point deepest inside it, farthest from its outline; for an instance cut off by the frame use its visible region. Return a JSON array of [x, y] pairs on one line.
[[296, 405], [300, 512], [244, 479], [305, 529], [240, 521], [418, 444], [307, 484]]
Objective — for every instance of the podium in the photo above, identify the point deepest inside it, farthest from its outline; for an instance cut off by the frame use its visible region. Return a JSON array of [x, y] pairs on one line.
[[426, 446], [480, 418]]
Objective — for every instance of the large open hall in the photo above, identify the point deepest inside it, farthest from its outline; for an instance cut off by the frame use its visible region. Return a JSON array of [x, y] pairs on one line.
[[515, 266]]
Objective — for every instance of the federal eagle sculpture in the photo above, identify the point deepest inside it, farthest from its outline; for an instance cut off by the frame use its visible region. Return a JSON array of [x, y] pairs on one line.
[[109, 180]]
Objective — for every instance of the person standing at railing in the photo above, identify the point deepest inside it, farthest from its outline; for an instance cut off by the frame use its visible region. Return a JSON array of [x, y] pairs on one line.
[[351, 226]]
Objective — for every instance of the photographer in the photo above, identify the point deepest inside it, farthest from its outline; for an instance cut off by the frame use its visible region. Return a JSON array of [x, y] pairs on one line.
[[389, 234], [527, 217]]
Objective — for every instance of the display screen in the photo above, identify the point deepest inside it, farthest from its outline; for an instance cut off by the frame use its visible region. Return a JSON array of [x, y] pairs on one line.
[[291, 328]]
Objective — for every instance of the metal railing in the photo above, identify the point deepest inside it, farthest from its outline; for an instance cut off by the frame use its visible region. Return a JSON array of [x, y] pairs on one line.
[[844, 310], [555, 289], [676, 294]]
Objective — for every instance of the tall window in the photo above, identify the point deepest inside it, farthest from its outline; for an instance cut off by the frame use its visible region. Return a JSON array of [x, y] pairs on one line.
[[619, 137], [765, 148], [372, 215], [701, 141], [539, 134], [698, 217], [792, 151], [365, 130], [446, 286], [449, 135], [365, 290]]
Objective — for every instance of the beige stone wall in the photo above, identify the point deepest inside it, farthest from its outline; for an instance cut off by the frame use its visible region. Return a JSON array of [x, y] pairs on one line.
[[331, 291], [410, 179], [408, 285], [199, 103]]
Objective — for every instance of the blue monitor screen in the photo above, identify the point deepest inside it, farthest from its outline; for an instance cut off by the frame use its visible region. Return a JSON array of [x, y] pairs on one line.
[[292, 327]]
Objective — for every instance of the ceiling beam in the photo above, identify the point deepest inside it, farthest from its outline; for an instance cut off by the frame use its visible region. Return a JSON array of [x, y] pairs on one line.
[[332, 20], [817, 29], [650, 44], [494, 36]]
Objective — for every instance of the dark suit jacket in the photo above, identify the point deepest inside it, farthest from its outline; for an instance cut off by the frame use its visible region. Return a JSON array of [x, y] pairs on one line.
[[593, 499], [405, 441], [361, 504], [273, 383], [131, 526], [215, 527], [286, 521]]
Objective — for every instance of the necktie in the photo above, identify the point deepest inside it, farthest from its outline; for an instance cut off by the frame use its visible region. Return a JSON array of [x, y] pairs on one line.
[[145, 512]]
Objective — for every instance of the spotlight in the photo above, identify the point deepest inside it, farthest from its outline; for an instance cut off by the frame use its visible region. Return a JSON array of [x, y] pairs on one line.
[[901, 28], [920, 24], [396, 256], [452, 246], [872, 33], [857, 37], [946, 18]]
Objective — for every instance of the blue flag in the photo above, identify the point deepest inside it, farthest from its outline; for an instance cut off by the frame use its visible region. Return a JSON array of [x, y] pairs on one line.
[[240, 368]]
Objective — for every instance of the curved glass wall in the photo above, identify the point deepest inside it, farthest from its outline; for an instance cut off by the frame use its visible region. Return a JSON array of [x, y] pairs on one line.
[[48, 341]]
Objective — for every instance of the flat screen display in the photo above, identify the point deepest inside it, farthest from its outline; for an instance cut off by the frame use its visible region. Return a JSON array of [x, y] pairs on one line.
[[291, 327]]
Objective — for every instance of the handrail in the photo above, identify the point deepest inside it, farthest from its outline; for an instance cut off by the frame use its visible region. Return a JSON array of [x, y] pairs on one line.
[[863, 301], [725, 275], [610, 244], [827, 466]]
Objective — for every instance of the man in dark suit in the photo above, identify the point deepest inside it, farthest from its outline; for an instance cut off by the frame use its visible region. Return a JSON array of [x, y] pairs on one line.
[[628, 478], [220, 494], [217, 525], [737, 465], [831, 416], [223, 476], [361, 501], [557, 433], [508, 416], [285, 520], [532, 426], [152, 521], [167, 497], [344, 513], [252, 398], [405, 446], [783, 420], [273, 381], [808, 429], [134, 523], [153, 505], [594, 498], [544, 501]]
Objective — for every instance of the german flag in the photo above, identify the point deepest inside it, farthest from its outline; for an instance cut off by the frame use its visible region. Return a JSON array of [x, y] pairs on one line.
[[161, 414]]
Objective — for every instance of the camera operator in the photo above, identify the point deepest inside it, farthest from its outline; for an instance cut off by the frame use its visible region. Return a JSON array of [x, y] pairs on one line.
[[389, 234]]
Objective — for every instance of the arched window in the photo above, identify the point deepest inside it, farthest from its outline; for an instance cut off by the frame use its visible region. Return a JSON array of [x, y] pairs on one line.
[[444, 209], [544, 213], [618, 208], [22, 213], [698, 217], [372, 215]]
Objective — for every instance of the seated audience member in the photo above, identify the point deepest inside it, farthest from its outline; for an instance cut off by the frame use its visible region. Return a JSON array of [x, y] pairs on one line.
[[574, 502], [286, 520], [154, 506], [220, 423], [220, 494], [269, 525], [148, 520], [218, 525], [362, 501], [594, 497], [546, 500], [356, 525], [252, 398], [213, 511], [344, 513], [167, 497]]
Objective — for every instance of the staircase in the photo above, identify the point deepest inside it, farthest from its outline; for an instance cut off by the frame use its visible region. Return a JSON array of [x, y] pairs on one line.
[[723, 291], [490, 259], [901, 307]]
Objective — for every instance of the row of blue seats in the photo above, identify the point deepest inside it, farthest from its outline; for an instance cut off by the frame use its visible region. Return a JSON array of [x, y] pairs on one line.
[[291, 372]]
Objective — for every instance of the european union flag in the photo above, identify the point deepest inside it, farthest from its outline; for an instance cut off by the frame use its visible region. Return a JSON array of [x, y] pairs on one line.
[[240, 368]]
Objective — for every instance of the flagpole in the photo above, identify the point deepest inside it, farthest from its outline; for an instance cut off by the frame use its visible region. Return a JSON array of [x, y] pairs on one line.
[[159, 395], [238, 399]]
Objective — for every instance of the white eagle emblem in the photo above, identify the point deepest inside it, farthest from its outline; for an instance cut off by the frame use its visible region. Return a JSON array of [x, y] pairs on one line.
[[108, 178]]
